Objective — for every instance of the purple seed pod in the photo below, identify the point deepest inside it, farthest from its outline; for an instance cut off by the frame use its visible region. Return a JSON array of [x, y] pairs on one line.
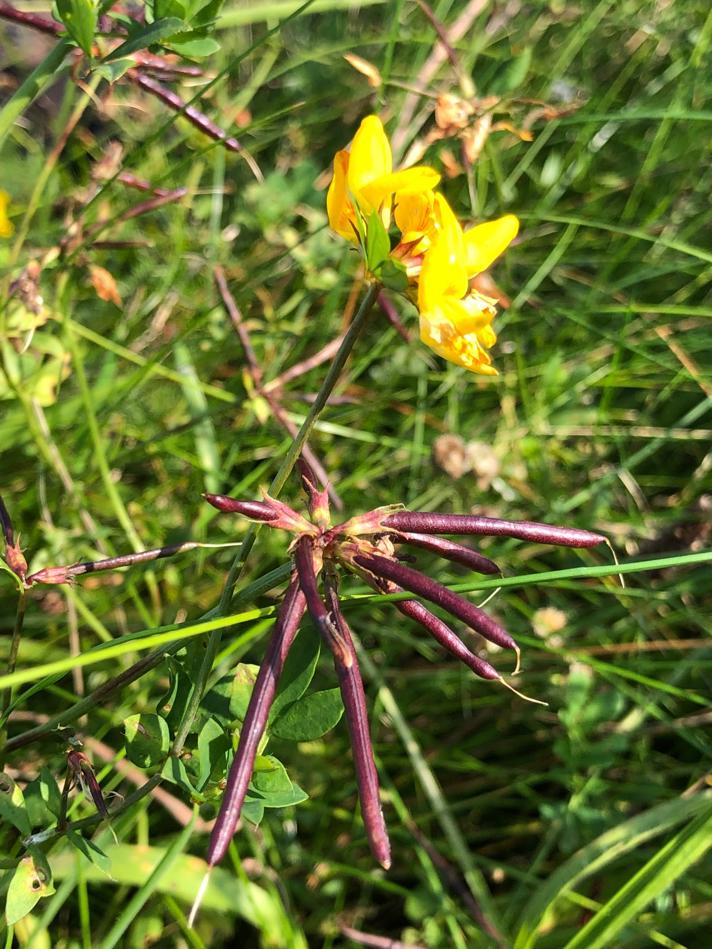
[[128, 560], [285, 629], [440, 631], [450, 551], [429, 589], [422, 522], [354, 699], [257, 510]]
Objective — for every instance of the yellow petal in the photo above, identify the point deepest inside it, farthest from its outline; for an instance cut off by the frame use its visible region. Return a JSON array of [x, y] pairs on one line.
[[485, 242], [466, 350], [415, 215], [7, 228], [378, 193], [443, 272], [338, 206], [370, 155]]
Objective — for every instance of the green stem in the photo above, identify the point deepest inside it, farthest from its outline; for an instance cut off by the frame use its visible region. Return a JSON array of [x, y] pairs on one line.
[[290, 459]]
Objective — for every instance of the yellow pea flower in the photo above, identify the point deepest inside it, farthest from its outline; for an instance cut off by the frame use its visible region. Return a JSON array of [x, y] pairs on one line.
[[364, 180], [7, 228], [455, 321]]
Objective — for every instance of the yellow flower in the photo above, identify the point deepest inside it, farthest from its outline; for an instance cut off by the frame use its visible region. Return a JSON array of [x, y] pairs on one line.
[[364, 180], [454, 320], [7, 228]]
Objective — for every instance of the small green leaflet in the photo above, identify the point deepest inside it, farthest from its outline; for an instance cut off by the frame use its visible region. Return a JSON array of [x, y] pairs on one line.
[[79, 17]]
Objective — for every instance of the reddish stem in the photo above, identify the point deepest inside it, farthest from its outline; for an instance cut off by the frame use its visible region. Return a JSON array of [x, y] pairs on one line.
[[34, 20], [285, 629], [197, 118]]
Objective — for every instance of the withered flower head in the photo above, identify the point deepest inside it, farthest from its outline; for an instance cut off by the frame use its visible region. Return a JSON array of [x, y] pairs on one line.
[[366, 545]]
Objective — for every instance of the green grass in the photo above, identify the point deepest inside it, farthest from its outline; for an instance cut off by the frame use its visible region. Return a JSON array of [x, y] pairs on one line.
[[584, 823]]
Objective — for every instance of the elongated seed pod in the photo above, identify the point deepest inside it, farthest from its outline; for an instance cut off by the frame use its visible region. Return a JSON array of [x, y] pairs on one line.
[[431, 590], [440, 631], [422, 522], [285, 629], [257, 510], [128, 560], [450, 551], [354, 699]]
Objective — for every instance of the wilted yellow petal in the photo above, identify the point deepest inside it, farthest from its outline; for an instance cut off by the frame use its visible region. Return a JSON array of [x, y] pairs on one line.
[[370, 156], [466, 350], [7, 228], [367, 69], [104, 284], [485, 242], [338, 206]]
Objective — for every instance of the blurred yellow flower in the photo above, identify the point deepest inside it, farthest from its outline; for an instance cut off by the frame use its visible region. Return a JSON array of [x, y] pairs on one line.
[[364, 180], [7, 229], [454, 320]]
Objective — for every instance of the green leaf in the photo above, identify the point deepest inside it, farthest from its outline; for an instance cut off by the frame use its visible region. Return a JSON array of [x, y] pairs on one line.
[[90, 851], [271, 786], [170, 8], [12, 805], [516, 71], [241, 689], [659, 873], [288, 798], [174, 770], [253, 810], [147, 739], [79, 17], [309, 717], [43, 799], [30, 882], [392, 274], [114, 70], [182, 676], [213, 749], [270, 775], [193, 45], [378, 244], [298, 670], [146, 36]]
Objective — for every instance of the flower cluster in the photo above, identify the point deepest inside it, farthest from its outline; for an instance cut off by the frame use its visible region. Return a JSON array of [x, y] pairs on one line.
[[432, 250], [366, 545]]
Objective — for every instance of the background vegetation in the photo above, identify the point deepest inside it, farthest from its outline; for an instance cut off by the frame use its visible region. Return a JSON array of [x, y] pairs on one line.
[[582, 824]]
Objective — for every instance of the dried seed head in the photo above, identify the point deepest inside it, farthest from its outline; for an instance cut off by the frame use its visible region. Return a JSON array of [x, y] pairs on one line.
[[450, 454], [51, 575], [452, 113]]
